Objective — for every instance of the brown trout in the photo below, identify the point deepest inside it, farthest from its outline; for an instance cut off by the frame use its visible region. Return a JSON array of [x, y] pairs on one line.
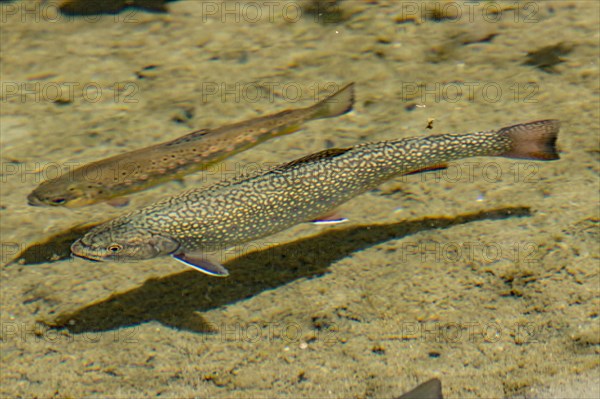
[[141, 169], [251, 207]]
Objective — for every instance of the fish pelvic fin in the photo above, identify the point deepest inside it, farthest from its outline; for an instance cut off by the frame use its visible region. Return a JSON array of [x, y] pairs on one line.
[[333, 217], [202, 263], [338, 103], [533, 140]]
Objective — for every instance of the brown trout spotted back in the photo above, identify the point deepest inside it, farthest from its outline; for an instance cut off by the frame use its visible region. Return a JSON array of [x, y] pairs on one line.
[[251, 207], [147, 167]]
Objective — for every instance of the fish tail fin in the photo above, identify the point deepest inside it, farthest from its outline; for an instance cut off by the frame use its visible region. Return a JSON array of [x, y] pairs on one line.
[[533, 140], [337, 104]]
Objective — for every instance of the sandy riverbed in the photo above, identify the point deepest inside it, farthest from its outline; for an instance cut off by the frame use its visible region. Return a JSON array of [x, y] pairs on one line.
[[486, 278]]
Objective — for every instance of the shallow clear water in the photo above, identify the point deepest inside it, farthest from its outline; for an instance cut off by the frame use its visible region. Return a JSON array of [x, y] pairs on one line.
[[484, 275]]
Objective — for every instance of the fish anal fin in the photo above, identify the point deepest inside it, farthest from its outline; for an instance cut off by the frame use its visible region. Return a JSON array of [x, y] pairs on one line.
[[202, 263], [431, 168]]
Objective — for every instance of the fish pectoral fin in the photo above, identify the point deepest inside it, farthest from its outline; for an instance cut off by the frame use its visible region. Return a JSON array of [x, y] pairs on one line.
[[180, 180], [330, 218], [201, 263], [118, 202]]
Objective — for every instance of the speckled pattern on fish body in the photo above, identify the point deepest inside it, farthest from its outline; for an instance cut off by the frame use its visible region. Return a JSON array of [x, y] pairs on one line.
[[251, 207], [147, 167]]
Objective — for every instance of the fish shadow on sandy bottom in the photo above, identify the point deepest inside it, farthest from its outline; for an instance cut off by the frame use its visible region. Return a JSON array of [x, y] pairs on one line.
[[176, 299], [53, 249]]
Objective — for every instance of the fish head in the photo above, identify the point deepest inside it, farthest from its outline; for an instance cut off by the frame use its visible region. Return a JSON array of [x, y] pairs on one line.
[[61, 192], [110, 243]]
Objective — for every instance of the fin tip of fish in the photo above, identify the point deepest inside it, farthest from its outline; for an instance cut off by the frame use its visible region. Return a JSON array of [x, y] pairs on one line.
[[339, 103]]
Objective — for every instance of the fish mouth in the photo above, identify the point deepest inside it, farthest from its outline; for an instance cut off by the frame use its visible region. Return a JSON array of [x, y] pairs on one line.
[[77, 249], [34, 201], [85, 257]]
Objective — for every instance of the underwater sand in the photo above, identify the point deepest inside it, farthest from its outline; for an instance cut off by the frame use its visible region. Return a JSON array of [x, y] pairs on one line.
[[486, 277]]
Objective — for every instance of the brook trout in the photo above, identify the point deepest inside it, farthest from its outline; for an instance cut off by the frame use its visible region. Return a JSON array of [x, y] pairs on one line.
[[251, 207], [141, 169]]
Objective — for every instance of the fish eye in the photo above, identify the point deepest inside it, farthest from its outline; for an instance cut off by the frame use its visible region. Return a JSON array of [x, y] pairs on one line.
[[59, 200], [114, 248]]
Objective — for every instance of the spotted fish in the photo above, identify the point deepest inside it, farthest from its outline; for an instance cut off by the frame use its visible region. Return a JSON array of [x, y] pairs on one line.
[[147, 167], [250, 207]]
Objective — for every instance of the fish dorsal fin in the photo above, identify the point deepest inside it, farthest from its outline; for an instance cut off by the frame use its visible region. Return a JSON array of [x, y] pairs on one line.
[[202, 263], [330, 153], [188, 137], [431, 389]]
